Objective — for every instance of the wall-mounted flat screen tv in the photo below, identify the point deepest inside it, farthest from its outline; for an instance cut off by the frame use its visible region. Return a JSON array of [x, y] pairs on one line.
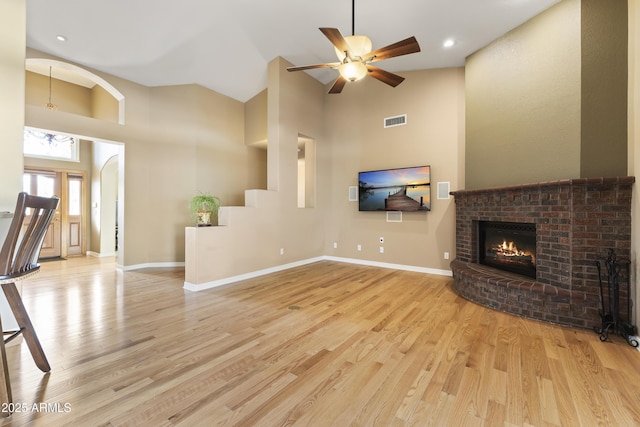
[[400, 189]]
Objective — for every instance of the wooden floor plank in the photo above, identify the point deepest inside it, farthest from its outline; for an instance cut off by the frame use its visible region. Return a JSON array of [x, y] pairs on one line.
[[325, 344]]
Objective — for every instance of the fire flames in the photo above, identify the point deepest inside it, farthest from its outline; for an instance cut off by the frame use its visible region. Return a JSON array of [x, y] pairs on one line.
[[510, 250]]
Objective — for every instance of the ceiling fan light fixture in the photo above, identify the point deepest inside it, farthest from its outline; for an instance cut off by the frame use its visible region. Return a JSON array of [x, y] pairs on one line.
[[359, 45], [352, 71]]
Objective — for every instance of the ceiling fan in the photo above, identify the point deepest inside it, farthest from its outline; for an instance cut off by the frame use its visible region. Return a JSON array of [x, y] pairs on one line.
[[355, 57]]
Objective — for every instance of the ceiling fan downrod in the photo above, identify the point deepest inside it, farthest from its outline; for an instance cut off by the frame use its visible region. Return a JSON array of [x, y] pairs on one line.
[[353, 17]]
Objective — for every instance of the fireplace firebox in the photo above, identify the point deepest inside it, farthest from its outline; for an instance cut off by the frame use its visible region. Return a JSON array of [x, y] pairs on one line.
[[508, 246]]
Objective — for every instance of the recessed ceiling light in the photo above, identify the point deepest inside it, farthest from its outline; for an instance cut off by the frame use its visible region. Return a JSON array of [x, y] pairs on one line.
[[61, 38], [449, 43]]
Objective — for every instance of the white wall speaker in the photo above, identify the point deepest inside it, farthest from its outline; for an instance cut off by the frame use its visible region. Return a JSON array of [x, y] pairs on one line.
[[443, 190], [394, 216], [353, 193]]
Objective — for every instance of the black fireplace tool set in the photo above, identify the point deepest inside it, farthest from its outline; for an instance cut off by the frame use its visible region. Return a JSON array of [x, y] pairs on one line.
[[612, 322]]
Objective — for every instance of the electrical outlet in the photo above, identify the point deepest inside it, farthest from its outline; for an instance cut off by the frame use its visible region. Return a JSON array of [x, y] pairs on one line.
[[446, 255], [359, 247], [381, 249], [335, 245], [281, 251]]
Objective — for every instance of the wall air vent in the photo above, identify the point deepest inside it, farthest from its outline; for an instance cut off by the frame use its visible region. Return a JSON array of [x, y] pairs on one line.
[[395, 121]]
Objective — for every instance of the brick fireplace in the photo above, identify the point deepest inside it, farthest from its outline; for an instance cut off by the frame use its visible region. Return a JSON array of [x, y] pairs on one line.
[[576, 222]]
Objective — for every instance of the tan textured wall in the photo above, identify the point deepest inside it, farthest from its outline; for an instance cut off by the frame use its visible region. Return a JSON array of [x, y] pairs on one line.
[[523, 99], [13, 30], [103, 105], [603, 150], [255, 135], [67, 97], [255, 125], [634, 145], [434, 135]]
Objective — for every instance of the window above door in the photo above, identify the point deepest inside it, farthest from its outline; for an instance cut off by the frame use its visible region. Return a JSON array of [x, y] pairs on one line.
[[49, 145]]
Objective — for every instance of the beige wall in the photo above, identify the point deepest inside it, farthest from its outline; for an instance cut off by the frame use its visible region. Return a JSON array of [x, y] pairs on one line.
[[103, 105], [255, 135], [349, 137], [357, 141], [548, 100], [634, 144], [255, 125], [177, 141], [67, 97], [13, 30], [71, 98], [523, 103], [252, 236], [603, 130]]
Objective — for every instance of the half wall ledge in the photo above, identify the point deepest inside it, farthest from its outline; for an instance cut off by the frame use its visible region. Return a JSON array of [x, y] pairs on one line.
[[512, 293]]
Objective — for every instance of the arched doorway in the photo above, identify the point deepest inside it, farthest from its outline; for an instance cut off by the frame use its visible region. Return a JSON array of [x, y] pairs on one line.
[[109, 207]]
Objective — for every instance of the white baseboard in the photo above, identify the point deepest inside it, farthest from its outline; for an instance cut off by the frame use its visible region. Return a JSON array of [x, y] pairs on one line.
[[100, 255], [151, 265], [403, 267], [227, 280], [220, 282]]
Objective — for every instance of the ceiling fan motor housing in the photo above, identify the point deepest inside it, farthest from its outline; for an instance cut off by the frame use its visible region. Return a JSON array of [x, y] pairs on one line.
[[359, 45]]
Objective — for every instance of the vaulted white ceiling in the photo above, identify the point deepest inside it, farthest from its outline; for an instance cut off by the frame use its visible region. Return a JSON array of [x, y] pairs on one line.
[[226, 45]]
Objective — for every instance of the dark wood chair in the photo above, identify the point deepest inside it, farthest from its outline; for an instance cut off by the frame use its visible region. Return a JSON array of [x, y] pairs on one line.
[[19, 260]]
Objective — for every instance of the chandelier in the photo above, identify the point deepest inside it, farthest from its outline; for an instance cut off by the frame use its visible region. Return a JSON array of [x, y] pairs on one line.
[[49, 105]]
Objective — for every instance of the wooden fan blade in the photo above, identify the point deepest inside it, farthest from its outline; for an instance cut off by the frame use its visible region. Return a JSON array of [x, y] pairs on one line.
[[310, 67], [403, 47], [335, 37], [384, 76], [338, 85]]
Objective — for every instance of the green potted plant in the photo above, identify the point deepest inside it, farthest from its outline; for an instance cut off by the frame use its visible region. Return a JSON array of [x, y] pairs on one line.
[[203, 206]]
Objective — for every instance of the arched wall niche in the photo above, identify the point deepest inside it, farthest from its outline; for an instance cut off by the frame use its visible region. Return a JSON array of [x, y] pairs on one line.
[[76, 75]]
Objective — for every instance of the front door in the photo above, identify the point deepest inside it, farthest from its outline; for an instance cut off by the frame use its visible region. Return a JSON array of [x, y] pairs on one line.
[[46, 184], [65, 236]]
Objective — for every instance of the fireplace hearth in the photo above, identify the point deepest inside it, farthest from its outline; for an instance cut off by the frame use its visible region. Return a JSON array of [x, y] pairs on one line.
[[575, 223], [509, 246]]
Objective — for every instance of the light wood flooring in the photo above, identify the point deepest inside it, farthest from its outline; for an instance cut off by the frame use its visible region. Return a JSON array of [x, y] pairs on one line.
[[327, 344]]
